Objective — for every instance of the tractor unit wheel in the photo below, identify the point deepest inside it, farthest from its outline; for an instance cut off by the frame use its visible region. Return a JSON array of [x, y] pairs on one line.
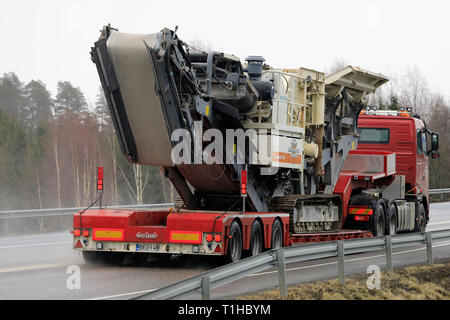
[[377, 225], [256, 239], [391, 220], [234, 252], [277, 235], [421, 223]]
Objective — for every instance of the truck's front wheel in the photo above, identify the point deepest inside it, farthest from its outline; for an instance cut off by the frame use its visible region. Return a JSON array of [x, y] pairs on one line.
[[421, 223]]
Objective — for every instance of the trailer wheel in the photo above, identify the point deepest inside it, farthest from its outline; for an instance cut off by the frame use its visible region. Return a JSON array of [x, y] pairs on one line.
[[421, 222], [391, 220], [277, 235], [378, 225], [256, 239], [234, 251]]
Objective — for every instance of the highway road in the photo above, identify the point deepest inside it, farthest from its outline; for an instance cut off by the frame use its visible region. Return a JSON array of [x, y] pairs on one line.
[[36, 267]]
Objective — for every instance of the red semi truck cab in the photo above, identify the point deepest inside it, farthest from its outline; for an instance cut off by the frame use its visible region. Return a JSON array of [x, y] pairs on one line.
[[412, 142]]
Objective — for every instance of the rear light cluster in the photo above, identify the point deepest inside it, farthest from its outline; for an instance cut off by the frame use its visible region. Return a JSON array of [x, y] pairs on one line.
[[210, 237], [361, 218], [77, 232]]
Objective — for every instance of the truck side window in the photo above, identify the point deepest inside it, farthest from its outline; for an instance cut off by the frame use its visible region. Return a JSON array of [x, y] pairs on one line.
[[419, 142], [374, 135]]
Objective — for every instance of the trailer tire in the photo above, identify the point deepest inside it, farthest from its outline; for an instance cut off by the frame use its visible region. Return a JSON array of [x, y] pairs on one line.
[[256, 239], [391, 220], [234, 252], [377, 225], [277, 235]]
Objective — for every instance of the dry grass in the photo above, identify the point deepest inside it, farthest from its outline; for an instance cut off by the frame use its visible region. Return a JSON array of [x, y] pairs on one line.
[[409, 283]]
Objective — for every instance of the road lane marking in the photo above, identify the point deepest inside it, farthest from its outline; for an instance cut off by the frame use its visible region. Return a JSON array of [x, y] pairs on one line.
[[438, 222], [36, 244], [33, 267], [123, 294]]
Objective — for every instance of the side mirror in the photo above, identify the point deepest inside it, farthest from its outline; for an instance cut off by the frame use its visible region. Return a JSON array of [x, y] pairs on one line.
[[434, 142]]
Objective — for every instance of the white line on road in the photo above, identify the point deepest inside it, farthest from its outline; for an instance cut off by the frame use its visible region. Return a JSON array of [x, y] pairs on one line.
[[123, 294], [439, 222], [34, 267], [36, 244]]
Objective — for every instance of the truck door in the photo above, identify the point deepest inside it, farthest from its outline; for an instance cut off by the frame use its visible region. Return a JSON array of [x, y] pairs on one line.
[[421, 161], [424, 182]]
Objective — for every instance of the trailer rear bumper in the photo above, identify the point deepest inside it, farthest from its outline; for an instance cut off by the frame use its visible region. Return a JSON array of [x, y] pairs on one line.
[[157, 248]]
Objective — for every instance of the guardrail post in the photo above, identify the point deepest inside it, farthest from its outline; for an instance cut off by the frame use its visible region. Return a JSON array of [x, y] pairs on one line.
[[429, 249], [281, 273], [341, 271], [206, 288], [41, 224], [388, 243]]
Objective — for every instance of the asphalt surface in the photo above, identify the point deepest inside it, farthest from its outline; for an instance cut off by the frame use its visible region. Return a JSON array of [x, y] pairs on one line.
[[38, 267]]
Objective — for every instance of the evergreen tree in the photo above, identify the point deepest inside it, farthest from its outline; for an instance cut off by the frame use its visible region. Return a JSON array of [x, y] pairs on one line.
[[11, 95], [37, 108], [393, 102], [69, 99]]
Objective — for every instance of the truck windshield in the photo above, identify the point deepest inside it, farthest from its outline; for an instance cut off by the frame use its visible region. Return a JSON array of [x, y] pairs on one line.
[[373, 135]]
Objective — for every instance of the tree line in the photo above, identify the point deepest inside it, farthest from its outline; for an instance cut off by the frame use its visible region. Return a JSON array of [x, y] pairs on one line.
[[50, 147]]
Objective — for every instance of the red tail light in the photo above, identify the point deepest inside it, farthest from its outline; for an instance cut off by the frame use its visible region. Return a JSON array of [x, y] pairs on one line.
[[85, 233], [77, 233], [209, 237], [243, 182], [361, 218], [217, 238]]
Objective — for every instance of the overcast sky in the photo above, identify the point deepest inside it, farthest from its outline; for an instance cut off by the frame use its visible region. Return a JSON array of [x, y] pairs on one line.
[[51, 40]]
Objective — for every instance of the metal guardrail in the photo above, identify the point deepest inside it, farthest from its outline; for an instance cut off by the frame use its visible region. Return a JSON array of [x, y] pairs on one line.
[[442, 192], [204, 282], [70, 211], [439, 191]]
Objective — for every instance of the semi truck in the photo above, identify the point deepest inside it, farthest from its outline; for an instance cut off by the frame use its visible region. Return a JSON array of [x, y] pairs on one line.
[[261, 157]]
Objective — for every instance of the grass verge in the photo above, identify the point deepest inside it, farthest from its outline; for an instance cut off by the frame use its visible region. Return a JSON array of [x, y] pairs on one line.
[[407, 283]]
